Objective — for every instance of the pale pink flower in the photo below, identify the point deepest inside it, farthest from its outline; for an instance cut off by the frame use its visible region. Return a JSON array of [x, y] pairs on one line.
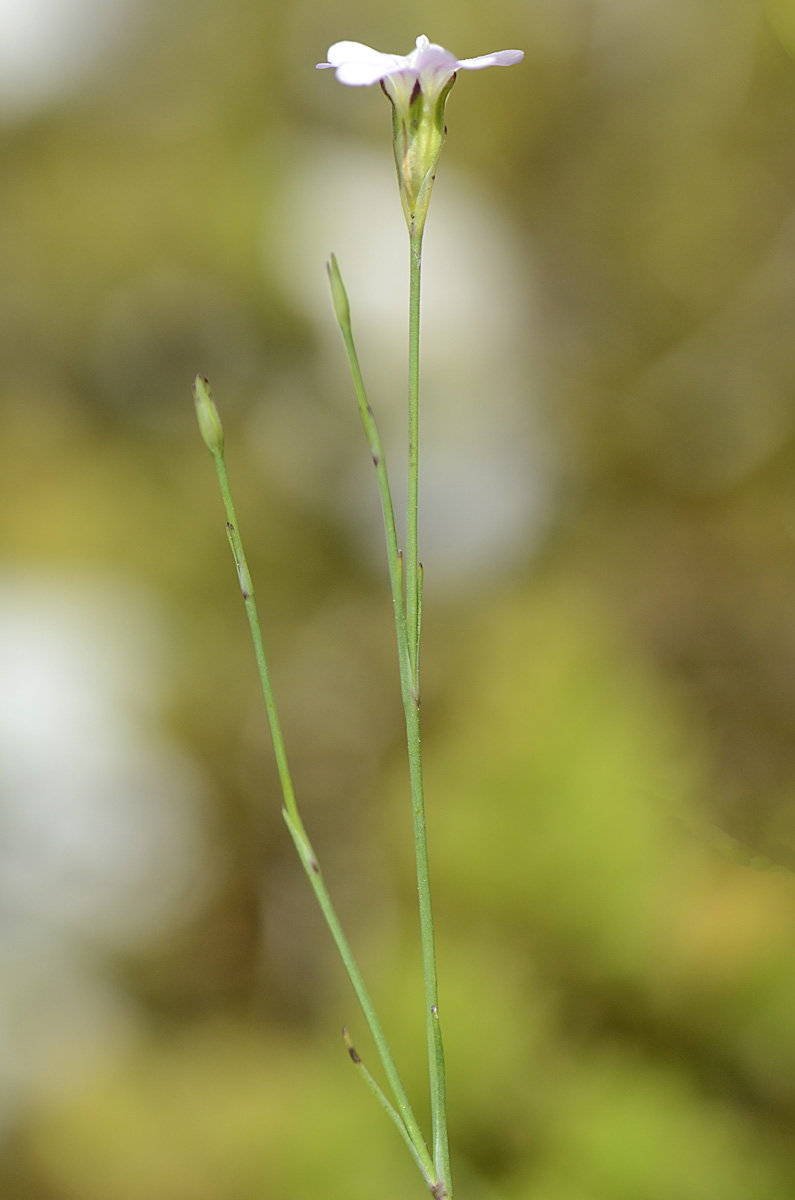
[[418, 85], [429, 65]]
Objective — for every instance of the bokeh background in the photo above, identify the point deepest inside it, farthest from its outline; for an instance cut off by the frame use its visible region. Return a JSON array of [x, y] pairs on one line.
[[609, 540]]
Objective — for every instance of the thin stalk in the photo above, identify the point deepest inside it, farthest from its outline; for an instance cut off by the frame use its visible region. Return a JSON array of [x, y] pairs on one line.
[[298, 833], [382, 1100], [407, 624], [412, 500], [411, 706], [394, 556], [436, 1067]]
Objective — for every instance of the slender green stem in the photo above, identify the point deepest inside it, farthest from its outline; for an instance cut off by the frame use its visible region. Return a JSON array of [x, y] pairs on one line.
[[382, 1100], [435, 1051], [308, 858], [411, 705], [407, 624], [394, 556], [412, 501]]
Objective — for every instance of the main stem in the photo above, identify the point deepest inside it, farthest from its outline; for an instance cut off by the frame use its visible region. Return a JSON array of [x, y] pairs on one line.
[[406, 572], [411, 704], [412, 500]]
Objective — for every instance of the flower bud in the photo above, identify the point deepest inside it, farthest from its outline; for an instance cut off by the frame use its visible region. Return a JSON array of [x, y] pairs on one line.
[[339, 295], [207, 415]]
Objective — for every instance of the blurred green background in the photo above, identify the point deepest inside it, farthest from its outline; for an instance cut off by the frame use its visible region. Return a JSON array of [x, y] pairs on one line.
[[609, 657]]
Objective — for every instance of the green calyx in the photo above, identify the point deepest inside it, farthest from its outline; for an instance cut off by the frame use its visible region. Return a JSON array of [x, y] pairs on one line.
[[418, 134]]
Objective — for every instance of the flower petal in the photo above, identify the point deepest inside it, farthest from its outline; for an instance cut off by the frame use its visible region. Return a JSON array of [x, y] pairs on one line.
[[358, 65], [342, 52], [499, 58], [431, 57]]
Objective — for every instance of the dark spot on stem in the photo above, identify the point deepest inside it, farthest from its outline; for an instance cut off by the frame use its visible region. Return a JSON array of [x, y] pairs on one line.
[[314, 866], [376, 460], [354, 1055], [245, 594]]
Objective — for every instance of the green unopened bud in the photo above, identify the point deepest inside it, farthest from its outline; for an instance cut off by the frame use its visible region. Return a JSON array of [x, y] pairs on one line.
[[339, 295], [207, 415]]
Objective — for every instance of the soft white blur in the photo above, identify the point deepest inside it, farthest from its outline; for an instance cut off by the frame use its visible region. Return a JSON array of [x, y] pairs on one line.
[[48, 46], [102, 827], [486, 471]]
